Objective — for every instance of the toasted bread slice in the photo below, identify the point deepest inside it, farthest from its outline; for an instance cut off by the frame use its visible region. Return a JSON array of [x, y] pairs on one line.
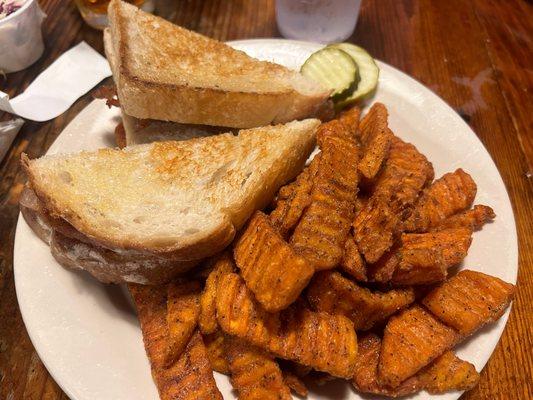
[[166, 72], [182, 200]]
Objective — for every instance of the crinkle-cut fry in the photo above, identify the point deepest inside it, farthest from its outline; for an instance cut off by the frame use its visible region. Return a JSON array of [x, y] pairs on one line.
[[404, 174], [254, 373], [473, 219], [321, 233], [350, 119], [294, 383], [190, 377], [396, 188], [272, 270], [448, 372], [293, 199], [324, 342], [452, 193], [365, 378], [352, 262], [216, 351], [426, 257], [376, 139], [334, 129], [375, 229], [207, 320], [330, 292], [470, 300], [383, 270], [411, 340], [183, 309]]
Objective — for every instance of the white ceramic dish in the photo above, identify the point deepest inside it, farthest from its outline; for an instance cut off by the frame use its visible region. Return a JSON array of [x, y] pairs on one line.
[[87, 334]]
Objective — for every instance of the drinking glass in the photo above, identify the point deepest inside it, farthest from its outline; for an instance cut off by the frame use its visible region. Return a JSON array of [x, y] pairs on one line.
[[94, 12], [323, 21]]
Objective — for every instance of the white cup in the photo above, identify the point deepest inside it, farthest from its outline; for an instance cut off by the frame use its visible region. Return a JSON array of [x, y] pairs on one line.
[[323, 21], [21, 39]]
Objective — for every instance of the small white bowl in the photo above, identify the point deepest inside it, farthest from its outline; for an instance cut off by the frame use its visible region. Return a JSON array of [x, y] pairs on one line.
[[21, 39]]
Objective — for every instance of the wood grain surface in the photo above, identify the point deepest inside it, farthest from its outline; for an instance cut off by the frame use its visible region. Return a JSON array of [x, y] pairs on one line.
[[476, 54]]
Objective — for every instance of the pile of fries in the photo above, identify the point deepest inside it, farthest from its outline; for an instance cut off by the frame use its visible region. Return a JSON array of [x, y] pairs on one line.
[[347, 277]]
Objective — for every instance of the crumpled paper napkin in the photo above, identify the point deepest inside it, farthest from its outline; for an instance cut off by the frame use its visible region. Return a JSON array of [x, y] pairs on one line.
[[69, 77]]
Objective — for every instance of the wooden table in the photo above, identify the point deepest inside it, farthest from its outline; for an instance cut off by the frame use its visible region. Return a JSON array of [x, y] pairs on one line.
[[475, 54]]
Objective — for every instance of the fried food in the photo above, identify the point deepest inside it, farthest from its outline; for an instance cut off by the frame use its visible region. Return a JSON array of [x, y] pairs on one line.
[[272, 270], [183, 309], [376, 139], [293, 199], [254, 373], [324, 342], [396, 189], [411, 340], [470, 300], [452, 193], [321, 233], [365, 378], [404, 175], [216, 351], [383, 270], [352, 262], [330, 292], [473, 219], [190, 377], [207, 320], [448, 372], [426, 257], [375, 229], [294, 383], [350, 119]]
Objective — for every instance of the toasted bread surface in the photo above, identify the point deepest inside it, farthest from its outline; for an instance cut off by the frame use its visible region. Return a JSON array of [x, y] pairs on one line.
[[163, 71], [184, 199]]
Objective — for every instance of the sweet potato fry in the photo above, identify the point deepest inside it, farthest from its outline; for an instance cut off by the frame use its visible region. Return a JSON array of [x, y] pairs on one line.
[[473, 219], [426, 257], [365, 377], [383, 270], [404, 174], [352, 262], [293, 199], [411, 340], [375, 228], [190, 377], [330, 292], [294, 383], [448, 372], [396, 189], [254, 373], [321, 233], [470, 300], [452, 193], [216, 351], [270, 267], [350, 119], [207, 320], [324, 342], [376, 138], [183, 309]]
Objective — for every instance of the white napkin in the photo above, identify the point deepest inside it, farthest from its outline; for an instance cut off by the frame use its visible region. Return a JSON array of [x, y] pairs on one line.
[[69, 77], [8, 131]]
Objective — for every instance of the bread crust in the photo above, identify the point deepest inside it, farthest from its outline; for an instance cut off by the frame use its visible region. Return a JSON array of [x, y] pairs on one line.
[[73, 251], [144, 98]]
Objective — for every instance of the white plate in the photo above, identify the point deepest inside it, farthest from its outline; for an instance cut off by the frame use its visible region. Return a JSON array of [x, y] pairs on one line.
[[87, 334]]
